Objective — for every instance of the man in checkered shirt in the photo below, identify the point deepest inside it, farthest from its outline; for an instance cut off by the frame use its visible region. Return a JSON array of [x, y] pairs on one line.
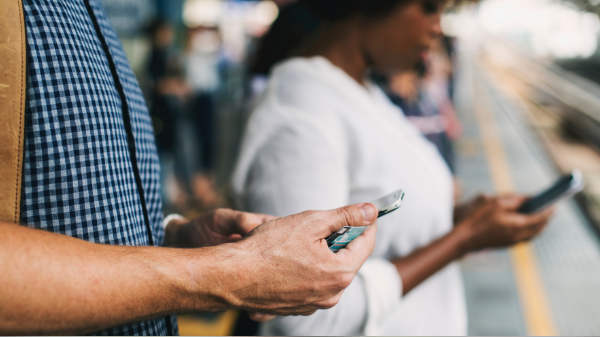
[[87, 259]]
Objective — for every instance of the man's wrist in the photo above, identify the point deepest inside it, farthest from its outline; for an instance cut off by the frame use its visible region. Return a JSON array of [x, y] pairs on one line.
[[236, 271], [214, 274]]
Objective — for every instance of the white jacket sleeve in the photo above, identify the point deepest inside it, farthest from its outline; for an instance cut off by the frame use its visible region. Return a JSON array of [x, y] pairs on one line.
[[301, 166], [296, 168]]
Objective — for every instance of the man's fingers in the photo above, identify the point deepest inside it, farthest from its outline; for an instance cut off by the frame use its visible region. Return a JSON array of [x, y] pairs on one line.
[[357, 251], [307, 313], [355, 215], [258, 317]]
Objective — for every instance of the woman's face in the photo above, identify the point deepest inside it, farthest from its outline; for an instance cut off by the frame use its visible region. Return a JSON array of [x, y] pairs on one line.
[[398, 40]]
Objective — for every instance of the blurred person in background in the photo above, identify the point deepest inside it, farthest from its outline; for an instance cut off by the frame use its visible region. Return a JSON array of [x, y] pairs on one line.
[[438, 120], [422, 95], [203, 67], [182, 104], [405, 90], [438, 85], [323, 135], [168, 94]]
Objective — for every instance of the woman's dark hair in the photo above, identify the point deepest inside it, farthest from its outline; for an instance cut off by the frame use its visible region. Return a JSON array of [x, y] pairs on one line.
[[293, 25]]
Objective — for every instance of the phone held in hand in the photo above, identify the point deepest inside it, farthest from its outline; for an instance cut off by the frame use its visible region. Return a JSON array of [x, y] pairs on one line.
[[344, 236], [566, 186]]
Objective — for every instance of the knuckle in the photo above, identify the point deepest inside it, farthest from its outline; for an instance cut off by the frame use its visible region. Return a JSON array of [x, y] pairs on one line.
[[307, 216], [341, 281], [309, 213], [218, 214], [329, 303], [322, 268], [244, 218], [313, 294], [331, 281], [345, 280], [308, 313], [345, 214]]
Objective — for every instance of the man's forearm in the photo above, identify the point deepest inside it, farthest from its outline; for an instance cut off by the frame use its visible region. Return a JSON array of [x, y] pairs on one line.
[[52, 283]]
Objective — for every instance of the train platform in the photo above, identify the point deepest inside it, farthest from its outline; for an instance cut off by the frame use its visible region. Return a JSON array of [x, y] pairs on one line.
[[550, 286]]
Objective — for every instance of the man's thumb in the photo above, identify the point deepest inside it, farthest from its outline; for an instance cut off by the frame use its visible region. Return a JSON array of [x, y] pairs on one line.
[[354, 215]]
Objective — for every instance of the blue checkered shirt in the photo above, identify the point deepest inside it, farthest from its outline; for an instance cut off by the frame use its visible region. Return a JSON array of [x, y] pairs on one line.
[[79, 173]]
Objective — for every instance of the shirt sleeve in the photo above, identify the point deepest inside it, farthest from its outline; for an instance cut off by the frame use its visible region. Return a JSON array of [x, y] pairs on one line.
[[303, 166]]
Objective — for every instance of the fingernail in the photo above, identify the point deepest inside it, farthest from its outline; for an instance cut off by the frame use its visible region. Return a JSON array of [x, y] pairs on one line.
[[369, 213]]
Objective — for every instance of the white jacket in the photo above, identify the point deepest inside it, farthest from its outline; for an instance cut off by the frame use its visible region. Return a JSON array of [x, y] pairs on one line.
[[320, 140]]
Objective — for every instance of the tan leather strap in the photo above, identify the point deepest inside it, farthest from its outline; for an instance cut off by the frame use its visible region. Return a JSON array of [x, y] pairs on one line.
[[12, 107]]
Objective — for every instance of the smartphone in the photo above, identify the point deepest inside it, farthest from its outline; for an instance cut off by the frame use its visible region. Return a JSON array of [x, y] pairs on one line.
[[566, 186], [385, 205]]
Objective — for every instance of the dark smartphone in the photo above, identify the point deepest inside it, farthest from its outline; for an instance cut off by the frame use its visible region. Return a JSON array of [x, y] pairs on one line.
[[566, 186]]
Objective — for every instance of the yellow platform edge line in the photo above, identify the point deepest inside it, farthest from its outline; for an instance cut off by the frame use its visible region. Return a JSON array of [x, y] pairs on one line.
[[193, 325], [529, 284]]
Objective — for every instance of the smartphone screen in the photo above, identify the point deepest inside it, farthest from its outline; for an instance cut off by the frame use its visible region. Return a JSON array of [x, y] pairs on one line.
[[389, 203]]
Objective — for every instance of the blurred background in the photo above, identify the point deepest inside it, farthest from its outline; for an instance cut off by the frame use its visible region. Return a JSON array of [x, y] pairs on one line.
[[510, 96]]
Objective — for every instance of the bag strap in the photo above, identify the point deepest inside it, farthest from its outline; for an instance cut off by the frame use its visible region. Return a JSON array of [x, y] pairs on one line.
[[12, 107]]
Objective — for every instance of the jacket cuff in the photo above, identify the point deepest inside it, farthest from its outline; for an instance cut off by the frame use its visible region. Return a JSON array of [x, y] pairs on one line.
[[383, 287]]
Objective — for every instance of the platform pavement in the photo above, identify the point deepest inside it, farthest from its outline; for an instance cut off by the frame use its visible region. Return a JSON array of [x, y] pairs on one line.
[[552, 285]]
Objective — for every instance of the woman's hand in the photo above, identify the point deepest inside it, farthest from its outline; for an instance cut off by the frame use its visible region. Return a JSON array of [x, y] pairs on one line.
[[491, 222], [461, 211], [213, 228]]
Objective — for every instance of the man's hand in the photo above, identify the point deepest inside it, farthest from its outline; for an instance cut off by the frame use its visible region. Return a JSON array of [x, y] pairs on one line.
[[213, 228], [285, 267]]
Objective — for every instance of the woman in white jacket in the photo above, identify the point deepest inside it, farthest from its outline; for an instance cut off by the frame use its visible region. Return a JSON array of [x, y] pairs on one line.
[[323, 136]]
